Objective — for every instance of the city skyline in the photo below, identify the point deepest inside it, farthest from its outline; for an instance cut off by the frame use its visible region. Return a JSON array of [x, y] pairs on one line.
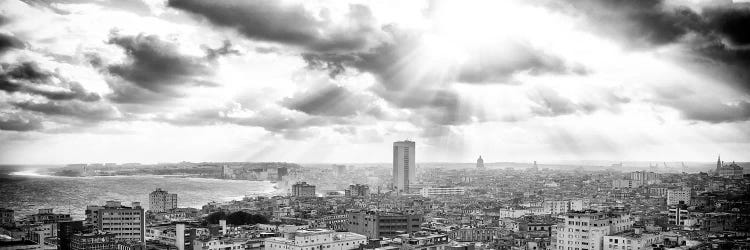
[[374, 125], [337, 81]]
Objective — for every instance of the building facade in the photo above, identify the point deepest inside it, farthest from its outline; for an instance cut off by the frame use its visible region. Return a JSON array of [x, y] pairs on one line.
[[586, 230], [126, 223], [442, 191], [404, 165], [357, 190], [316, 239], [65, 232], [302, 189], [632, 240], [676, 197], [380, 224], [626, 183], [644, 176], [93, 241], [46, 216], [161, 201], [680, 216], [7, 217]]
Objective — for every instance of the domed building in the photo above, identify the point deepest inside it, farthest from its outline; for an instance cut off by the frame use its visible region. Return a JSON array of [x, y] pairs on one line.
[[480, 163]]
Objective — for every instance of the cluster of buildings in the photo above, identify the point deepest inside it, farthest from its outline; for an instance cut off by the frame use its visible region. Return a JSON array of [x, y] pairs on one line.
[[407, 207]]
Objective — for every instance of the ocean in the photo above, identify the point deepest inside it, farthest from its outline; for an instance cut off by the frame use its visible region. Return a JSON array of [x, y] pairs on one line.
[[25, 191]]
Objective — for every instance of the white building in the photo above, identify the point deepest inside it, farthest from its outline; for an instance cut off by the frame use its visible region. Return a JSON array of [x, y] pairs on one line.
[[316, 239], [127, 223], [632, 240], [404, 165], [161, 201], [512, 213], [219, 244], [281, 228], [440, 191], [675, 197], [283, 212], [564, 206], [627, 183], [586, 230], [170, 235]]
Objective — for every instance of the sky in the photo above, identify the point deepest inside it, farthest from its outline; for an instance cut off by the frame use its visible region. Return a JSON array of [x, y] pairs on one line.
[[85, 81]]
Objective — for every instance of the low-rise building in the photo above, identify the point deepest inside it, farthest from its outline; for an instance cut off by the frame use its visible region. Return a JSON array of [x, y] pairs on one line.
[[627, 183], [46, 216], [632, 240], [473, 234], [442, 191], [206, 243], [424, 241], [93, 241], [381, 224], [316, 239]]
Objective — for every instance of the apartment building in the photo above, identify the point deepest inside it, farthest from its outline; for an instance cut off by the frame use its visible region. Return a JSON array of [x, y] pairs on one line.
[[126, 223], [585, 230], [381, 224], [316, 239], [160, 201]]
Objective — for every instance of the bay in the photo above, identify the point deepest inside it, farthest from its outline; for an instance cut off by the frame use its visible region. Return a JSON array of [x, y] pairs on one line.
[[25, 191]]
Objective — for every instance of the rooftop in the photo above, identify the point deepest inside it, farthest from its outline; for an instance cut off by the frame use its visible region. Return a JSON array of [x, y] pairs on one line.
[[632, 234]]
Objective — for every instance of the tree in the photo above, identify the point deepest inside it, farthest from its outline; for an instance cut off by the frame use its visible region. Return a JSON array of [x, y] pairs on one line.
[[214, 217], [243, 218]]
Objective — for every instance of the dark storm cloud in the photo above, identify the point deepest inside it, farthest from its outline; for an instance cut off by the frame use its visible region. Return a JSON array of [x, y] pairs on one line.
[[726, 41], [293, 24], [90, 112], [28, 78], [8, 42], [641, 22], [330, 100], [709, 110], [716, 112], [717, 32], [15, 122], [731, 22], [697, 106], [155, 66]]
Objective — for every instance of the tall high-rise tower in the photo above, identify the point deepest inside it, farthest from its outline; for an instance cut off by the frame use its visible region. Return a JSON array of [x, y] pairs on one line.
[[404, 167]]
